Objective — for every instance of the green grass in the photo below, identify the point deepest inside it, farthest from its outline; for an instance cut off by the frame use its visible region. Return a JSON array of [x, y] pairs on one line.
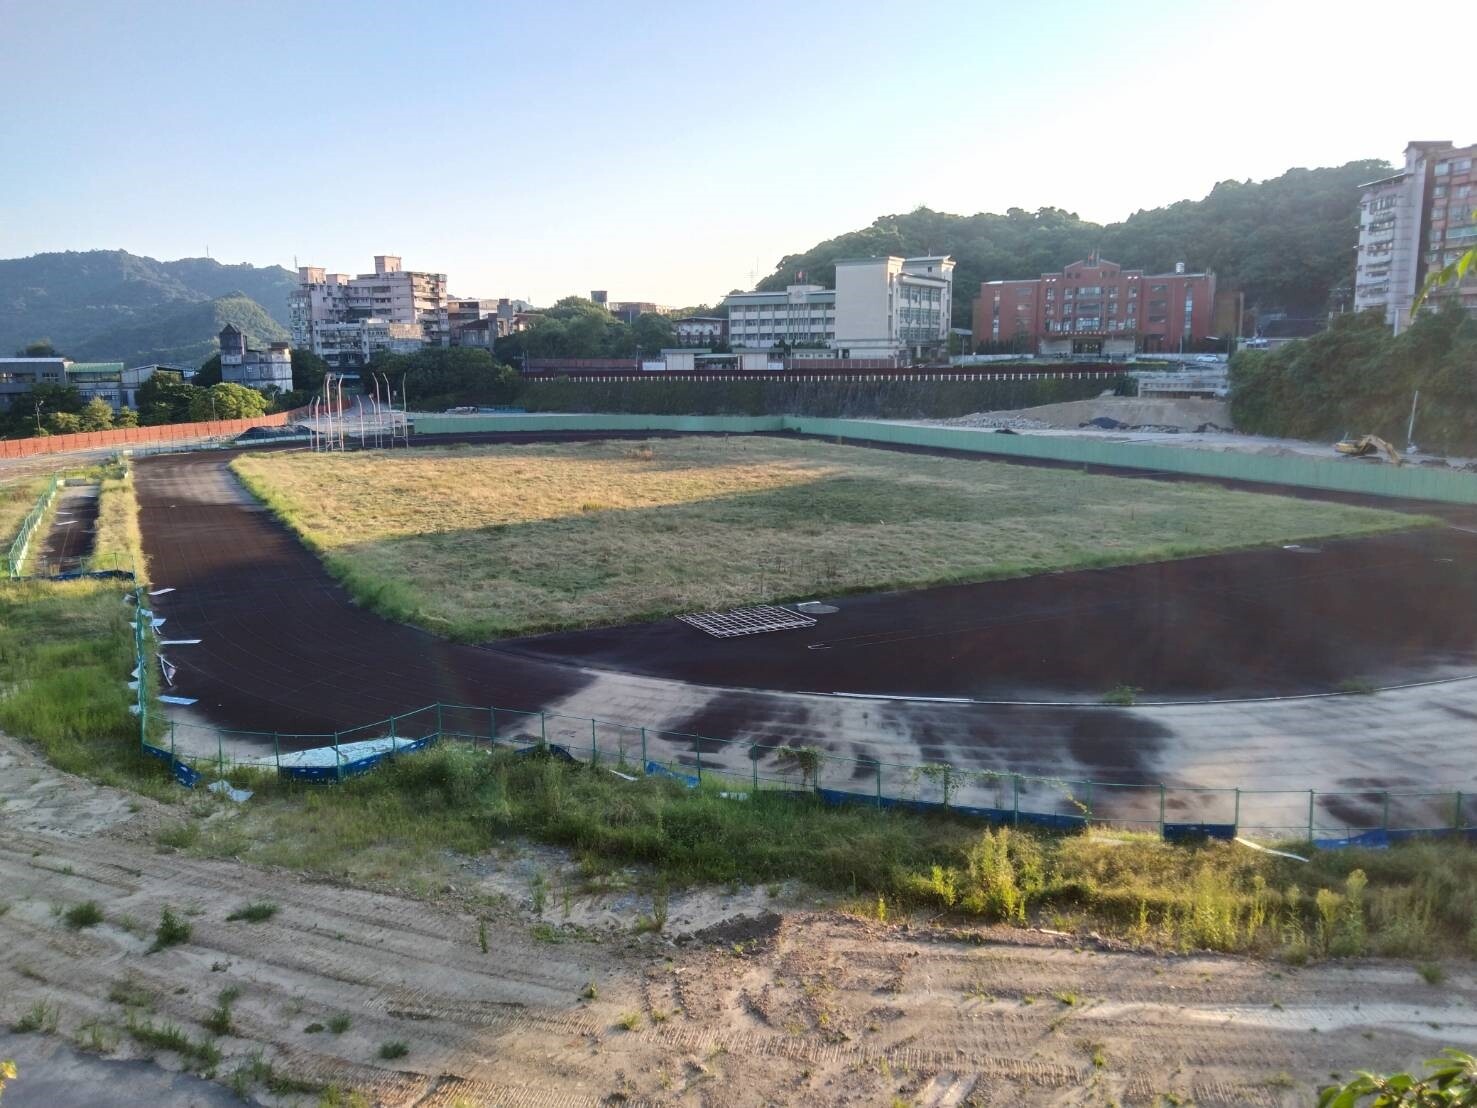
[[392, 826], [201, 1055], [257, 912], [480, 542], [87, 914], [66, 649], [118, 543], [17, 498], [393, 1049]]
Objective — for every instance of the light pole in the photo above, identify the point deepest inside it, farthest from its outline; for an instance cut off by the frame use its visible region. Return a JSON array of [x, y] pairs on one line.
[[39, 405]]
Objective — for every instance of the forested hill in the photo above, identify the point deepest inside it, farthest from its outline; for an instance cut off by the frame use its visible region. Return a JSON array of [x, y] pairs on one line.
[[1287, 242], [114, 305]]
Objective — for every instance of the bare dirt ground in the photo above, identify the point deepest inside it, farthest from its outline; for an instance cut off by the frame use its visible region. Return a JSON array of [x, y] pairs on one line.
[[797, 1004]]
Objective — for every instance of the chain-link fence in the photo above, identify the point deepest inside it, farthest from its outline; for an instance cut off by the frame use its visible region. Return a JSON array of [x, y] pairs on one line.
[[738, 768]]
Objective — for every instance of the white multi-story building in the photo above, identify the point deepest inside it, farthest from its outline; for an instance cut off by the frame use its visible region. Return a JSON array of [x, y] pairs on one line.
[[802, 316], [349, 345], [1411, 223], [882, 308], [390, 294]]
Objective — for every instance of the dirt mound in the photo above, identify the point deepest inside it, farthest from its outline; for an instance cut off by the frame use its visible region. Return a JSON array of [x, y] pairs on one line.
[[1109, 413], [759, 929]]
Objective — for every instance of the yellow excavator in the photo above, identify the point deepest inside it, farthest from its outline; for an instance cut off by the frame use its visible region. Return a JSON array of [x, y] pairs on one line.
[[1366, 445]]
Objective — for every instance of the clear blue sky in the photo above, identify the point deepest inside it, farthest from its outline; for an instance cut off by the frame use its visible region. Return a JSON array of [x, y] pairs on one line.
[[664, 151]]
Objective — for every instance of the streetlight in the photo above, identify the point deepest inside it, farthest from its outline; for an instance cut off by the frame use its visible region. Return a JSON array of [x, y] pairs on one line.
[[39, 405]]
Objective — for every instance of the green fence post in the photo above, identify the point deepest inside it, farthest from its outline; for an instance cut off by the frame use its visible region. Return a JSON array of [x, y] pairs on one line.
[[1236, 813], [1161, 809], [754, 761], [643, 750], [1385, 813], [1310, 817], [879, 784], [543, 731], [492, 727], [1015, 799], [220, 754], [338, 762], [393, 743], [1457, 815], [594, 750], [277, 751], [699, 765], [439, 727]]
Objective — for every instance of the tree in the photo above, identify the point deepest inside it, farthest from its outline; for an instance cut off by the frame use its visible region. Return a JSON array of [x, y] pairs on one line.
[[126, 417], [209, 372], [41, 348], [438, 376], [227, 400], [64, 423], [652, 332], [97, 415], [165, 398], [308, 371], [1453, 273]]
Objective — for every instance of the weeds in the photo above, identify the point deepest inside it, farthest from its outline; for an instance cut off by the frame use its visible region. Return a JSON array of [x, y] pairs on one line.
[[203, 1055], [257, 912], [629, 1021], [87, 914], [394, 1049], [42, 1016], [219, 1020], [128, 992], [171, 931], [1124, 696], [340, 1023], [482, 935], [1431, 973]]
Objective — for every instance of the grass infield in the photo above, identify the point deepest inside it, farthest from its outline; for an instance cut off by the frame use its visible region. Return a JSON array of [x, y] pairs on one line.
[[481, 542]]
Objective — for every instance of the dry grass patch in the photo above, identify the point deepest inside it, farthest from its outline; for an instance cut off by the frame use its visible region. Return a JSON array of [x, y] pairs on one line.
[[483, 542]]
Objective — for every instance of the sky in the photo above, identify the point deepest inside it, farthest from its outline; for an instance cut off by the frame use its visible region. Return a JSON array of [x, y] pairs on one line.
[[667, 151]]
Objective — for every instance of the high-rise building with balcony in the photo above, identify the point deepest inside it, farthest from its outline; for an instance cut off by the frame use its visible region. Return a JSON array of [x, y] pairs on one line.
[[1413, 223], [390, 295]]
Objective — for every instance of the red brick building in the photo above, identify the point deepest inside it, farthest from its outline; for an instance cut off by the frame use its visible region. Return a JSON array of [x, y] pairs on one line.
[[1096, 307]]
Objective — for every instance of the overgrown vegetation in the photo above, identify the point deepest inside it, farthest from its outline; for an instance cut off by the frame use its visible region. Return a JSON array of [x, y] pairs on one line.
[[475, 543], [87, 914], [1450, 1081], [1356, 378], [66, 649], [117, 542], [859, 399], [256, 912], [1415, 901]]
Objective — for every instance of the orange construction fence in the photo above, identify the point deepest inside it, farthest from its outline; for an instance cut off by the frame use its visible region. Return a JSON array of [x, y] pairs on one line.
[[126, 436]]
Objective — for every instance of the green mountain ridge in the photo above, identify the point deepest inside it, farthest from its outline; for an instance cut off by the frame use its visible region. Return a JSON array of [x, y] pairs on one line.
[[185, 336], [111, 305], [1287, 242]]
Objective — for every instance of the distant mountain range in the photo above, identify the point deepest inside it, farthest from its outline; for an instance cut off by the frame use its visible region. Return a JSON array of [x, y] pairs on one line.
[[110, 305]]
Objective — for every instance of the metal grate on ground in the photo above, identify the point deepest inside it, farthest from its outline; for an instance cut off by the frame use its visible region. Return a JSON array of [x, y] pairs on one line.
[[747, 621]]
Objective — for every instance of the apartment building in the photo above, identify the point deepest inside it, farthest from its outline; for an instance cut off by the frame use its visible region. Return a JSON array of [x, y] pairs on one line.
[[890, 307], [1413, 223], [108, 380], [701, 330], [1095, 306], [351, 345], [266, 370], [390, 295]]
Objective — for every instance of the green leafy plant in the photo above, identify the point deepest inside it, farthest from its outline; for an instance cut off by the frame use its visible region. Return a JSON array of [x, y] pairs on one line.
[[1450, 1082], [394, 1049]]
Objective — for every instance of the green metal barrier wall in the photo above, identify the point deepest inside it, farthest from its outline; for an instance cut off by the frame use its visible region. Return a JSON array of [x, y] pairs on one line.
[[1410, 482]]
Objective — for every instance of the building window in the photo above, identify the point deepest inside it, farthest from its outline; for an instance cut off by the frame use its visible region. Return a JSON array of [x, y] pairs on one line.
[[1443, 168]]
